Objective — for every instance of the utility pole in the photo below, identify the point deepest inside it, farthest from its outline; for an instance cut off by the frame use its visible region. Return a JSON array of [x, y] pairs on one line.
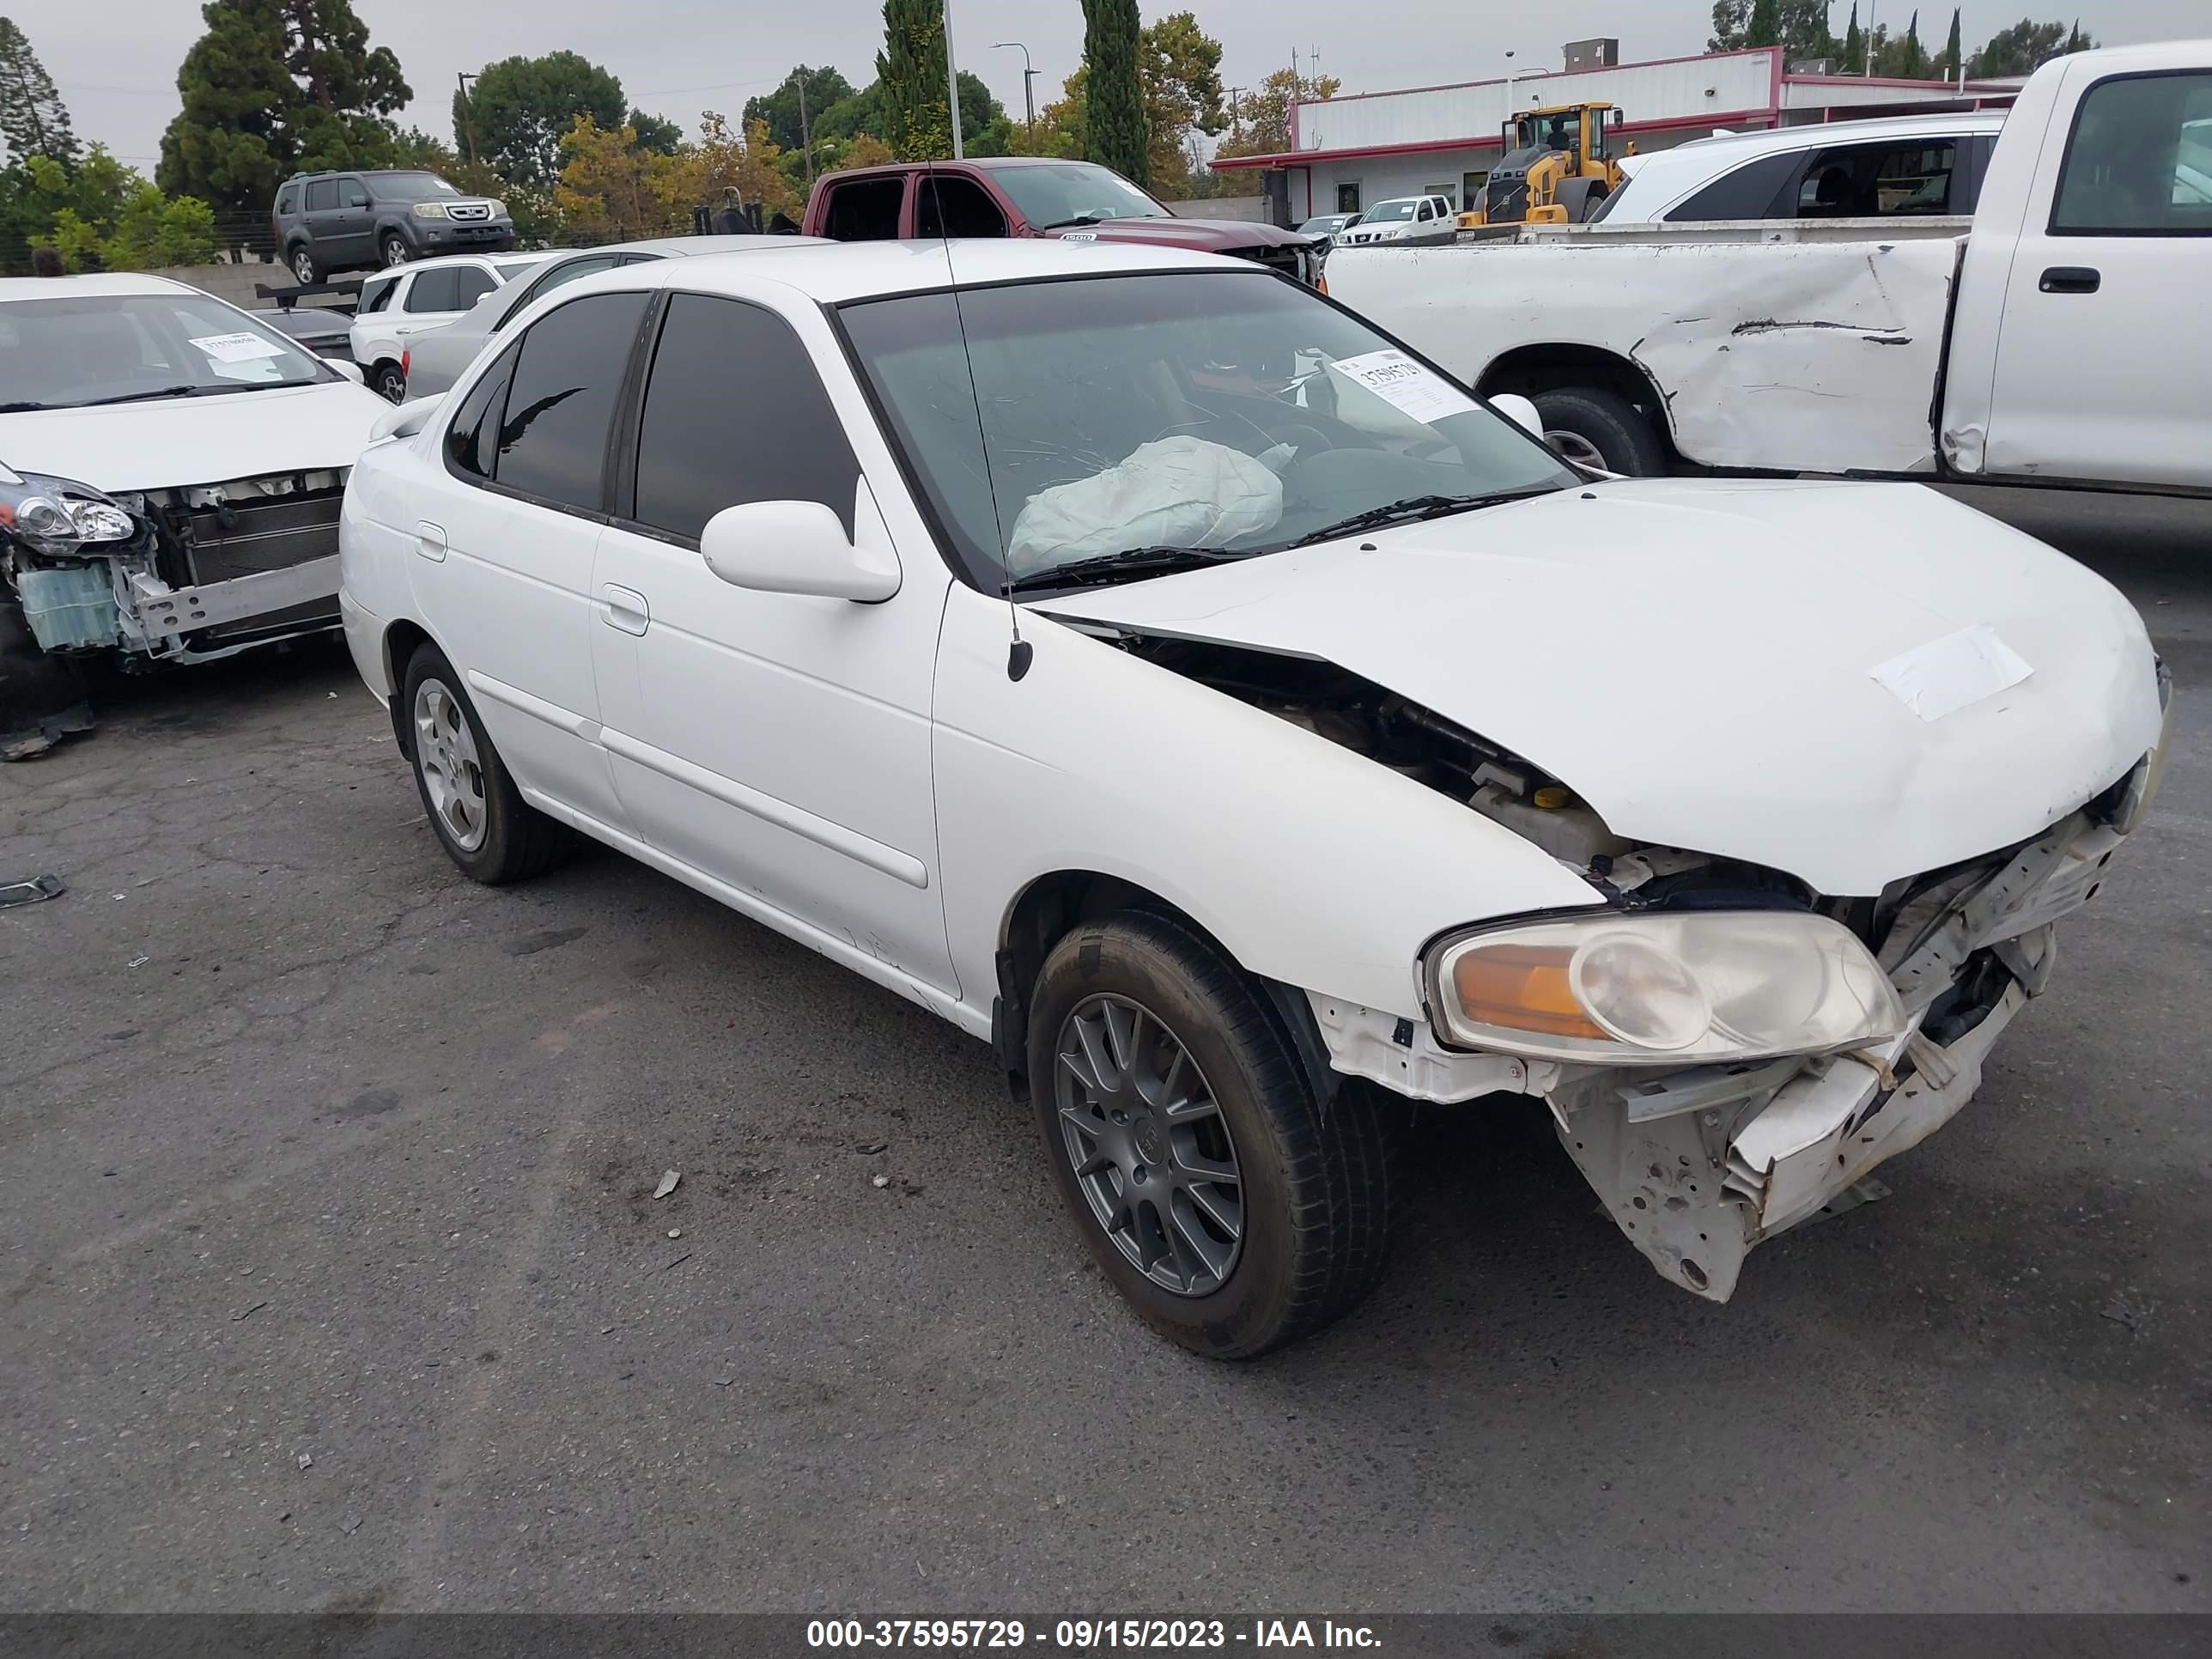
[[805, 132], [1029, 77], [952, 82], [468, 115]]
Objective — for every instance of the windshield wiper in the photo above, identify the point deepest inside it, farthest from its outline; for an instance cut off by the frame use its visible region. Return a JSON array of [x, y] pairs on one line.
[[1111, 567], [169, 392], [1088, 216], [1412, 508]]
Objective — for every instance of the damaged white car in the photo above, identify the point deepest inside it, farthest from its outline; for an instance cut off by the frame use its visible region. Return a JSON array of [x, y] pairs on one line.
[[1138, 660], [171, 470]]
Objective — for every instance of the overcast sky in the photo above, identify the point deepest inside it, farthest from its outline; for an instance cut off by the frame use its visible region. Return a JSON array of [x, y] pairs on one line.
[[116, 60]]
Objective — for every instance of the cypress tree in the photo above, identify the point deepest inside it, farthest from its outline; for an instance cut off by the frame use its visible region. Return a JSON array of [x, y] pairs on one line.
[[1953, 52], [1764, 28], [1912, 62], [1117, 137], [33, 120], [910, 73], [1854, 45]]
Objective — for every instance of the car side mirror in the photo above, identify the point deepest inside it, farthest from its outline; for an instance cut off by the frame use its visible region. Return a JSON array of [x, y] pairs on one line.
[[1519, 411], [350, 370], [795, 547], [405, 420]]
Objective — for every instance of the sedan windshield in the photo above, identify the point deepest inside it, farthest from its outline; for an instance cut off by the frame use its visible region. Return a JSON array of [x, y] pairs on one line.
[[1052, 194], [410, 187], [78, 348], [1207, 414]]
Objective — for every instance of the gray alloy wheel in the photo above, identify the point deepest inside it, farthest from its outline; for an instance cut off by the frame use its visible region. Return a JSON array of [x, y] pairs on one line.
[[1149, 1146], [395, 248], [446, 755], [303, 265], [1573, 447]]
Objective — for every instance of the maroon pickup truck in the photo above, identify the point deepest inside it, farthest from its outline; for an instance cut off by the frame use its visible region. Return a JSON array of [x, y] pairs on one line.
[[1033, 195]]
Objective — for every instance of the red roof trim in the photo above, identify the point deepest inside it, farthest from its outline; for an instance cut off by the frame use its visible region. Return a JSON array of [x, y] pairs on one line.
[[1306, 157]]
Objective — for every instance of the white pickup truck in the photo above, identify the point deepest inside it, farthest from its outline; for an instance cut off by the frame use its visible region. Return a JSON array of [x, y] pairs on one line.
[[2059, 336]]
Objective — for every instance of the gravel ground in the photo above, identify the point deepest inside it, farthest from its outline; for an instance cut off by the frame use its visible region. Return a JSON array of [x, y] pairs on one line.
[[333, 1277]]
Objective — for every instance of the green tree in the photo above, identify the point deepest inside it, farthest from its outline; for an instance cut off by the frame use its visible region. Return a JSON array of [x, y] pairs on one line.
[[656, 133], [1179, 65], [780, 109], [106, 216], [1116, 135], [1854, 45], [276, 87], [1262, 124], [1912, 58], [1799, 27], [910, 77], [520, 109], [32, 119], [2024, 47], [1954, 57]]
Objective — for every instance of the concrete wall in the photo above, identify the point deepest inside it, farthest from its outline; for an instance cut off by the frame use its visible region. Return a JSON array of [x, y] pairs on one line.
[[235, 283], [1245, 209]]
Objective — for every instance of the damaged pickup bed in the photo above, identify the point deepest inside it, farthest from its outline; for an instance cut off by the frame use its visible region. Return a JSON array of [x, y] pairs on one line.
[[171, 472]]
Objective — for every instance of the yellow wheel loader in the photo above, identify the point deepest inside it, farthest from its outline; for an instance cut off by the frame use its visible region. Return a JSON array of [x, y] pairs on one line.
[[1556, 169]]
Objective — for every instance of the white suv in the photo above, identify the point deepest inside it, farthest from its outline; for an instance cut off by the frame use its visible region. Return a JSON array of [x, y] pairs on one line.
[[424, 295], [1400, 218]]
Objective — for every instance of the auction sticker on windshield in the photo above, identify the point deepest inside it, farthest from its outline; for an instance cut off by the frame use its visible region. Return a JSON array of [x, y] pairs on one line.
[[239, 348], [1405, 385]]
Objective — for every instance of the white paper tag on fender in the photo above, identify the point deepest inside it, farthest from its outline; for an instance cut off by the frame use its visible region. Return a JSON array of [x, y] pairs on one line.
[[1405, 385], [1944, 676], [239, 348]]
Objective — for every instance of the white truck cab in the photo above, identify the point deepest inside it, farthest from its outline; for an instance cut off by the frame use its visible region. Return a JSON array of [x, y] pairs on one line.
[[1400, 218]]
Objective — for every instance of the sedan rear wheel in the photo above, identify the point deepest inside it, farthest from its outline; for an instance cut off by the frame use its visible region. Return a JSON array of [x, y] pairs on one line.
[[485, 826]]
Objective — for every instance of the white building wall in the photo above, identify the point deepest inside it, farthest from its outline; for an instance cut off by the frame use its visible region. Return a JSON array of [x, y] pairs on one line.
[[1725, 84], [1381, 177]]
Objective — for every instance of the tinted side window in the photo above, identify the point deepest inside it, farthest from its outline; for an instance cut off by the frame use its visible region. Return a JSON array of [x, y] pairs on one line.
[[351, 193], [432, 290], [376, 294], [470, 446], [1872, 182], [2139, 160], [471, 284], [706, 443], [567, 379], [954, 206], [866, 210], [322, 195], [286, 199], [569, 273], [1746, 192]]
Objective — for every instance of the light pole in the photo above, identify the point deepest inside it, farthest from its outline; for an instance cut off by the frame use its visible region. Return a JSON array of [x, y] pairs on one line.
[[468, 115], [952, 82], [1029, 75]]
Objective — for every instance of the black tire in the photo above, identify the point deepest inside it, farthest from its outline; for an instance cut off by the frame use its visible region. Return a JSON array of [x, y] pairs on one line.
[[305, 266], [519, 840], [1625, 439], [1315, 1179], [388, 380], [393, 249]]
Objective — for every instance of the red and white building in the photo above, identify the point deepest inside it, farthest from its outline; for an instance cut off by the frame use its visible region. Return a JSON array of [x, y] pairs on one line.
[[1359, 148]]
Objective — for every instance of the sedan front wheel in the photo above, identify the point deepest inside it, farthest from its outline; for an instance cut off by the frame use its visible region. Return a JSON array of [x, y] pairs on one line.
[[1234, 1210]]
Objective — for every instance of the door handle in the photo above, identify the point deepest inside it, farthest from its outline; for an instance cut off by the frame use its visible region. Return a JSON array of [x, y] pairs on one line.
[[625, 608], [430, 541], [2070, 279]]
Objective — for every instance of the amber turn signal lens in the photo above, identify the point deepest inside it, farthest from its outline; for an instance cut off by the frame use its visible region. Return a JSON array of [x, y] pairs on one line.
[[1522, 987]]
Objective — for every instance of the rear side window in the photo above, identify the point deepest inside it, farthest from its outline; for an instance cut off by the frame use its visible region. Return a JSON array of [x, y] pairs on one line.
[[561, 405], [2139, 160], [705, 443], [286, 200], [569, 273], [864, 210], [433, 290], [376, 294], [1876, 180], [322, 195], [472, 446]]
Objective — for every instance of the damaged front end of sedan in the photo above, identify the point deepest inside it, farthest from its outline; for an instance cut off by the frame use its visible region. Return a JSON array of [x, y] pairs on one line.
[[183, 575], [1725, 1052]]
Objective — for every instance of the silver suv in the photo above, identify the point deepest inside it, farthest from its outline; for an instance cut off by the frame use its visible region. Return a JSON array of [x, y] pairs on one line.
[[329, 221]]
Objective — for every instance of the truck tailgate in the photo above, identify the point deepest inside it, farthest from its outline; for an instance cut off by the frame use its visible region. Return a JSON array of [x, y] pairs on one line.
[[1809, 357]]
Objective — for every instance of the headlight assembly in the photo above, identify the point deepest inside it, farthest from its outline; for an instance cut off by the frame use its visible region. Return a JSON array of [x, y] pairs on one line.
[[428, 209], [1662, 989], [55, 516]]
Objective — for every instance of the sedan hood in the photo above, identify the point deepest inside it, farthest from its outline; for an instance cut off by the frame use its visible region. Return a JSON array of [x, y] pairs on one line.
[[1697, 660], [176, 441]]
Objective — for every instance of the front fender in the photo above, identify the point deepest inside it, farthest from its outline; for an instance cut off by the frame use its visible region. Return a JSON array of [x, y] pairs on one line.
[[1311, 864]]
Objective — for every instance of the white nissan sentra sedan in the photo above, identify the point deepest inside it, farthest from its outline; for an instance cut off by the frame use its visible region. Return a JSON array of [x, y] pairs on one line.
[[1146, 664]]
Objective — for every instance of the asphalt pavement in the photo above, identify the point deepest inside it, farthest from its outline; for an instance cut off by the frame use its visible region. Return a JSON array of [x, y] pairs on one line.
[[332, 1276]]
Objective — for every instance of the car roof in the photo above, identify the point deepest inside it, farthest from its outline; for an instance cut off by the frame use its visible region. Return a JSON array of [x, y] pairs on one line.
[[437, 260], [1813, 135], [120, 284], [833, 273]]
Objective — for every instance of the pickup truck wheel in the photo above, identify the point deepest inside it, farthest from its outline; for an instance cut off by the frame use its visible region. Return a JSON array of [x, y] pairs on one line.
[[485, 826], [1228, 1209], [1616, 435]]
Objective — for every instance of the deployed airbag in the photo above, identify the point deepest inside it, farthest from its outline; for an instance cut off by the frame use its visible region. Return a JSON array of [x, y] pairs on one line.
[[1174, 492]]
